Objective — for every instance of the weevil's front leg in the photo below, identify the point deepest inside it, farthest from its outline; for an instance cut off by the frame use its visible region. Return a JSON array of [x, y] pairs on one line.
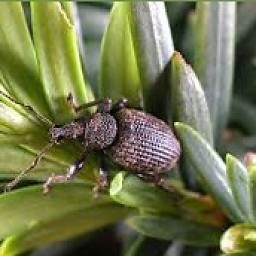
[[71, 173], [104, 105], [122, 103], [102, 179]]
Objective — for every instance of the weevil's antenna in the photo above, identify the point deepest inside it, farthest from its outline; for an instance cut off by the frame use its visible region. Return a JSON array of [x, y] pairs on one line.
[[36, 161], [39, 116]]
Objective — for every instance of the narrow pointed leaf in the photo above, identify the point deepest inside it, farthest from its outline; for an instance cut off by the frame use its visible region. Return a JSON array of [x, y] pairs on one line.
[[58, 56], [214, 49], [13, 118], [135, 193], [153, 44], [210, 169], [66, 226], [16, 217], [18, 65], [56, 161], [169, 228], [188, 103], [238, 179], [119, 73], [252, 186], [22, 159]]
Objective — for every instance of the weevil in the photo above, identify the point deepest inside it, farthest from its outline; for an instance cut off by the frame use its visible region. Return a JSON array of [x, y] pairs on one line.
[[141, 143]]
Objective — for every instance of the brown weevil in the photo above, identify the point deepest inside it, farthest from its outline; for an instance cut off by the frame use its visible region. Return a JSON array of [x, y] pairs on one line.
[[141, 143]]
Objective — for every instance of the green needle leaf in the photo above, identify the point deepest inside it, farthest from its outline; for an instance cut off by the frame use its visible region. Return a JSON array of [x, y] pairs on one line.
[[209, 168], [23, 158], [75, 223], [64, 199], [188, 103], [153, 44], [58, 56], [214, 50], [238, 179], [18, 65], [252, 187], [119, 73], [135, 193], [169, 228]]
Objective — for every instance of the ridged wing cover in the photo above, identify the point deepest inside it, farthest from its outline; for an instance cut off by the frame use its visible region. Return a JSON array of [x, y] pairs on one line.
[[143, 143]]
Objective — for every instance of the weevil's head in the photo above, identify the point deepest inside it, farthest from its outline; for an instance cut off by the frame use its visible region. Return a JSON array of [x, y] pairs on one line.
[[73, 131], [57, 133]]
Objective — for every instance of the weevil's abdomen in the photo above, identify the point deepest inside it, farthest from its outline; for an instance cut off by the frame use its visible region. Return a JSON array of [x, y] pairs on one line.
[[143, 143]]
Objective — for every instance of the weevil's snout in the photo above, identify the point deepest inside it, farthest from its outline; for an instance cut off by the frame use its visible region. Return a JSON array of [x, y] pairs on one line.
[[57, 133], [70, 131]]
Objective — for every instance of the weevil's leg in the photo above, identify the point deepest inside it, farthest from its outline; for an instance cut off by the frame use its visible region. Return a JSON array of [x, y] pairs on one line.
[[104, 105], [71, 102], [158, 180], [102, 179], [122, 103], [38, 158], [155, 179], [29, 108], [71, 173]]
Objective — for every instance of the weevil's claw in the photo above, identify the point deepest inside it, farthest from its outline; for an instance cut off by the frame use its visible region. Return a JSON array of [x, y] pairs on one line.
[[46, 188], [162, 183], [47, 185], [172, 190], [71, 102], [101, 184], [8, 187]]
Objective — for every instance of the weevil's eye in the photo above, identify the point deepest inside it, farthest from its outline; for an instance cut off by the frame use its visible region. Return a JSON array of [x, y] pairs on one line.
[[57, 133]]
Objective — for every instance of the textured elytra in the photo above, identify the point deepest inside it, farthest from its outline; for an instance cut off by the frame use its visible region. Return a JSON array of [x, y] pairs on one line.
[[144, 143]]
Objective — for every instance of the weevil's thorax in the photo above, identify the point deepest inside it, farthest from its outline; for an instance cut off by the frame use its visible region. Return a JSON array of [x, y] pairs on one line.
[[100, 131]]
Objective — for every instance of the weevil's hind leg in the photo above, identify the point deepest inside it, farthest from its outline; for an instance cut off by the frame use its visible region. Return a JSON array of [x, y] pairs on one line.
[[104, 105], [102, 179], [159, 181], [155, 179], [71, 173]]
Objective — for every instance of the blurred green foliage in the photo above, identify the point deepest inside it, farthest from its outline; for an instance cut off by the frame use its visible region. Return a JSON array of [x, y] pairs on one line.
[[139, 50]]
